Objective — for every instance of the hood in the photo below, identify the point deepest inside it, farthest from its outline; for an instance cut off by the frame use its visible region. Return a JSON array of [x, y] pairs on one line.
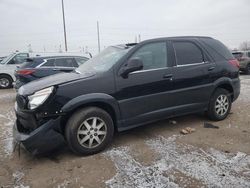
[[53, 80]]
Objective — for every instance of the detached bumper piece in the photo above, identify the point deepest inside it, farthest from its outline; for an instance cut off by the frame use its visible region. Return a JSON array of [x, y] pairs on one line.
[[42, 140]]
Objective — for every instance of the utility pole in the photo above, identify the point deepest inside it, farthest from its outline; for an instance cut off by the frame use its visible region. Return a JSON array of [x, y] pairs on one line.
[[135, 39], [64, 27], [98, 37]]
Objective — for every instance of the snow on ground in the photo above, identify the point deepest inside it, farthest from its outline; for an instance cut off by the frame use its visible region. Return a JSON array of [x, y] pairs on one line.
[[212, 168], [6, 132], [8, 96], [18, 176], [245, 89]]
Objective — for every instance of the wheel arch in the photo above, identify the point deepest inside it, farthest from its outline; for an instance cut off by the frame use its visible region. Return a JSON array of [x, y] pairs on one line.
[[224, 83], [6, 74], [102, 101]]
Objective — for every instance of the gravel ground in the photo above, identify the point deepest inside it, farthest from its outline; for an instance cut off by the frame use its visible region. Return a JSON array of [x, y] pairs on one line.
[[155, 155]]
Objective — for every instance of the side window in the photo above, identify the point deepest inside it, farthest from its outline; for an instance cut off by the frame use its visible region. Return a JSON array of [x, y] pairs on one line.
[[19, 58], [153, 55], [65, 62], [49, 63], [80, 60], [187, 53], [248, 54]]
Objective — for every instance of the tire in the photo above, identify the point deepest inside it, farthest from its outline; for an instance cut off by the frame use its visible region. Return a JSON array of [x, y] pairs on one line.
[[218, 110], [5, 82], [80, 127]]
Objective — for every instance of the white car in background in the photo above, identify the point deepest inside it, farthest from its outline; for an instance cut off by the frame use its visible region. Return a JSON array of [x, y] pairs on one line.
[[8, 66]]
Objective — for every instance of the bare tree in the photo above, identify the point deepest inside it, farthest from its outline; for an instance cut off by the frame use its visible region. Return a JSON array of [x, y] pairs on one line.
[[245, 46]]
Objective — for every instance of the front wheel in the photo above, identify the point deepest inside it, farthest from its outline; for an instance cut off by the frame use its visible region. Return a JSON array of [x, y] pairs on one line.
[[5, 82], [219, 105], [89, 131]]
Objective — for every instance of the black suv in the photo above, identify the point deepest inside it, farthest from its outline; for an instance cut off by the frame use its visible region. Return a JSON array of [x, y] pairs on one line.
[[39, 67], [126, 86]]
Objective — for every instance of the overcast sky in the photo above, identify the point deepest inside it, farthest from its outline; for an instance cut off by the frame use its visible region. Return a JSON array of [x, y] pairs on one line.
[[39, 22]]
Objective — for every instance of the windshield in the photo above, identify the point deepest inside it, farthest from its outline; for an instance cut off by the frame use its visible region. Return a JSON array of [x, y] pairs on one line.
[[6, 59], [104, 60]]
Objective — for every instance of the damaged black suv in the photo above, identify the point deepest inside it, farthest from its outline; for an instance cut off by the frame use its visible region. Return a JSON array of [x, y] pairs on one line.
[[126, 86]]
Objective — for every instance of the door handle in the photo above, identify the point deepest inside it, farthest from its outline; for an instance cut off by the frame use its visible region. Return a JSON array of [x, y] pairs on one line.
[[211, 68], [168, 77]]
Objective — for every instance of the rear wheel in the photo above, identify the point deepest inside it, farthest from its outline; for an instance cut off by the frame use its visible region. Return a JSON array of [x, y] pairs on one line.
[[89, 131], [219, 105], [5, 82]]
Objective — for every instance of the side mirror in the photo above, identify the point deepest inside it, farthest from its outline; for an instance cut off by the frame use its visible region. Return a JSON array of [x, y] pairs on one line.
[[131, 66]]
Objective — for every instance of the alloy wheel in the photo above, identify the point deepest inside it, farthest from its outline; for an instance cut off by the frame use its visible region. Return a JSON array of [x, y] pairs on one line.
[[92, 132], [221, 105], [4, 82]]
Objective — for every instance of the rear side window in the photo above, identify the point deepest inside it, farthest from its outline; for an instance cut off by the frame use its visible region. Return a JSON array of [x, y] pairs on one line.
[[80, 60], [49, 63], [187, 53], [218, 50], [65, 62]]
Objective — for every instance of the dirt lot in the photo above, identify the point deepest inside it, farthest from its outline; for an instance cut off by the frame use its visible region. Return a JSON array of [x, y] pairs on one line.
[[155, 155]]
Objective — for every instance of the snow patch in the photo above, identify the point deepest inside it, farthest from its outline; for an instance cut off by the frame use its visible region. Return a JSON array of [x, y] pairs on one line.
[[211, 168], [18, 176], [64, 184], [245, 90], [131, 173], [8, 96], [6, 132]]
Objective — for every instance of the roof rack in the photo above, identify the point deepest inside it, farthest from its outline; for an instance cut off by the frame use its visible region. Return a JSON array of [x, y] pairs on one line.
[[131, 44]]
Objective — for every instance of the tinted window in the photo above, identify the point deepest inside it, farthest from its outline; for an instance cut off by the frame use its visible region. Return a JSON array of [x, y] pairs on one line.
[[65, 62], [218, 50], [32, 63], [49, 63], [153, 55], [248, 54], [80, 60], [187, 53]]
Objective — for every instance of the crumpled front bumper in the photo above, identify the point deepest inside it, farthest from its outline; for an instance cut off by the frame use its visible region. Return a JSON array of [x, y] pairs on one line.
[[44, 139]]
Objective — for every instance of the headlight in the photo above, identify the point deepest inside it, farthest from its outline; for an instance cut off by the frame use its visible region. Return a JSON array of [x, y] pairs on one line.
[[39, 97]]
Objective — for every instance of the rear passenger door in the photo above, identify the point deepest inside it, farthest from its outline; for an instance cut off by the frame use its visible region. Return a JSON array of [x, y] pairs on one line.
[[45, 69], [191, 76]]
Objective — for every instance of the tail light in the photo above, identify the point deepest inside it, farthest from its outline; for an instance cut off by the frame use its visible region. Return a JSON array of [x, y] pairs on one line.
[[235, 63], [25, 72]]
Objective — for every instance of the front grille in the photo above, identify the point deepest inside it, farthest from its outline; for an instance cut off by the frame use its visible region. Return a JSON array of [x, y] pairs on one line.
[[21, 101]]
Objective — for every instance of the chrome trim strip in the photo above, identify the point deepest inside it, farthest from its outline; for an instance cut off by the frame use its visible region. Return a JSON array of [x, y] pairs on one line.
[[192, 64], [44, 61], [135, 72]]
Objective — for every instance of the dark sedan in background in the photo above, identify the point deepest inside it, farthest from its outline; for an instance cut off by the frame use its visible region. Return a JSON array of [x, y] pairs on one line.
[[39, 67]]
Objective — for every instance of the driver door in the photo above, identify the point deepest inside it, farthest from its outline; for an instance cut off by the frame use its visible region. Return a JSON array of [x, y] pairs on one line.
[[144, 95]]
